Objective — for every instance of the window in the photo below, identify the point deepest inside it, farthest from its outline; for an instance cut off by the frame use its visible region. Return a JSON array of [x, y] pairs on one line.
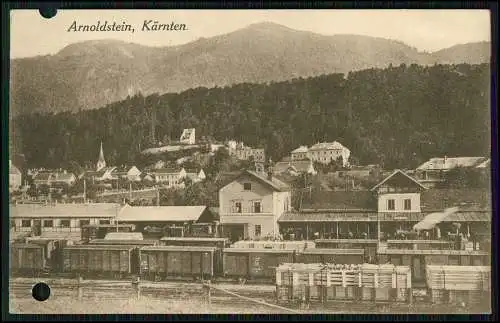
[[26, 223], [104, 222], [256, 207], [237, 207], [391, 205], [407, 204], [48, 223], [258, 230], [65, 223], [247, 186], [84, 222]]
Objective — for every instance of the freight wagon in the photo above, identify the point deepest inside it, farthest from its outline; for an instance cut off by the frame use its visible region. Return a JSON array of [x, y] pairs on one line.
[[52, 250], [219, 243], [255, 264], [419, 259], [165, 262], [332, 256], [99, 231], [100, 260], [27, 258], [421, 244], [369, 246]]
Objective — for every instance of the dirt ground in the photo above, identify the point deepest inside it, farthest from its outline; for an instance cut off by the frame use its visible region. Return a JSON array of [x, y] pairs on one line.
[[132, 306]]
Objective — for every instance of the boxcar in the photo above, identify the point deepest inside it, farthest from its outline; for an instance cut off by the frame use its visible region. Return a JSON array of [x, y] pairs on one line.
[[161, 262], [52, 250], [334, 256], [255, 264], [100, 260], [368, 245], [27, 258]]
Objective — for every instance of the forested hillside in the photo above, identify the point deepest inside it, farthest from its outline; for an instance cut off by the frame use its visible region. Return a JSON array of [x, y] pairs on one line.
[[90, 74], [397, 116]]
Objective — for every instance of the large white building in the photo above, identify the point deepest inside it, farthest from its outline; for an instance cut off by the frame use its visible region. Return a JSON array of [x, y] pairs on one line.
[[323, 152]]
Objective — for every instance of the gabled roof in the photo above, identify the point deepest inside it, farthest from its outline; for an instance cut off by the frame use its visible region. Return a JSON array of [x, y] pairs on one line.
[[340, 200], [274, 183], [43, 177], [297, 165], [327, 145], [64, 210], [452, 162], [396, 172], [301, 149], [435, 199], [160, 213], [171, 170], [62, 177]]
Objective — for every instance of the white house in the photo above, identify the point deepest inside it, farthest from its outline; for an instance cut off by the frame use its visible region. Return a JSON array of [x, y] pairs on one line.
[[188, 136], [300, 153], [170, 177], [251, 204], [195, 175], [326, 152]]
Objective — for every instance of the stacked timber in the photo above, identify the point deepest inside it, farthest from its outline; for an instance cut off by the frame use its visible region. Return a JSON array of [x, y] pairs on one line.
[[338, 281], [281, 245], [458, 284]]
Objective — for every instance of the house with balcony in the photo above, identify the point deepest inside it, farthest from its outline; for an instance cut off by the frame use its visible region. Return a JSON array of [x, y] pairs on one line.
[[251, 204], [433, 172]]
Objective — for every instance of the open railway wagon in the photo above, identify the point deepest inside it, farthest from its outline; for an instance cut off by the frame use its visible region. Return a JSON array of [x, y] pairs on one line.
[[111, 261], [278, 245], [419, 259], [336, 256], [459, 284], [421, 244], [27, 259], [178, 262], [334, 282], [368, 245], [99, 231], [254, 264]]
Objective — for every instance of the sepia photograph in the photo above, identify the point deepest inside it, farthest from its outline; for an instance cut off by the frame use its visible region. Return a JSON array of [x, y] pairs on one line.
[[250, 162]]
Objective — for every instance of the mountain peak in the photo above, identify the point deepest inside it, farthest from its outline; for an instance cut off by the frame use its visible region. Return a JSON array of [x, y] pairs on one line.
[[267, 25]]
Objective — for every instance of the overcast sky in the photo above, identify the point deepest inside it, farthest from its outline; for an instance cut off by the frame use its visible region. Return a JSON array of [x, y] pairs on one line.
[[428, 30]]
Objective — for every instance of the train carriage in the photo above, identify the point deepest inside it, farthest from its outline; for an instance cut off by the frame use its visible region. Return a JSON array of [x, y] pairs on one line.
[[163, 262], [27, 259], [255, 264], [115, 261]]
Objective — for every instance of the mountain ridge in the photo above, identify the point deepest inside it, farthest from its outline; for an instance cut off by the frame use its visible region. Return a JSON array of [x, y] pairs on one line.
[[93, 73]]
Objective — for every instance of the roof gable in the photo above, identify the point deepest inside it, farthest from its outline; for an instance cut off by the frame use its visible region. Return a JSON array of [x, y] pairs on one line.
[[399, 177]]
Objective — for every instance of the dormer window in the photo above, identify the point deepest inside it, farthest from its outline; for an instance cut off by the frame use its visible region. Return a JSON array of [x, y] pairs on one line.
[[247, 186], [391, 205]]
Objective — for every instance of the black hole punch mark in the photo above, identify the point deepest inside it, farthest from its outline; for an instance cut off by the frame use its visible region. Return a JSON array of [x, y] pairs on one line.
[[41, 292], [48, 12]]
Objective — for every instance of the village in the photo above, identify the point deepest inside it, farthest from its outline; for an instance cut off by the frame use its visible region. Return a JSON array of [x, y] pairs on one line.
[[436, 214]]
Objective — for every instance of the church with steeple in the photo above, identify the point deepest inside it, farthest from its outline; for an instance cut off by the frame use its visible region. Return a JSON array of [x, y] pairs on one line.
[[101, 163]]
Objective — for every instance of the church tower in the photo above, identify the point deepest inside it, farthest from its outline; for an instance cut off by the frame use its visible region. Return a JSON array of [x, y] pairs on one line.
[[101, 163]]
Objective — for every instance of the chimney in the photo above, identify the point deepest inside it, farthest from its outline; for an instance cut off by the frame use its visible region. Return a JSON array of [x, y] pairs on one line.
[[270, 170]]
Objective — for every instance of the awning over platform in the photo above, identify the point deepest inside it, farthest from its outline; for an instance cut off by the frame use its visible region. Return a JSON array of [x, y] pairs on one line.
[[430, 220]]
